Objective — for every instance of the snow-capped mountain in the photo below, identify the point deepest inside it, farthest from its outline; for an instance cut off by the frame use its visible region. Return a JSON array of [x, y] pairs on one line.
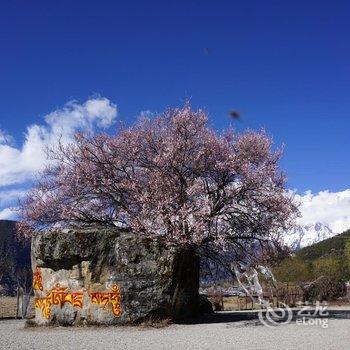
[[302, 236]]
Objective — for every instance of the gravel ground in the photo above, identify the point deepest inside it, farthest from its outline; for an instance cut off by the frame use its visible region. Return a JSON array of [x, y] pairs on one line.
[[235, 335]]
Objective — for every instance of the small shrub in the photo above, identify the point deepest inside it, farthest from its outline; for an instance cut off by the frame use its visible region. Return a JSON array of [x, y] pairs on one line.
[[324, 288], [217, 300]]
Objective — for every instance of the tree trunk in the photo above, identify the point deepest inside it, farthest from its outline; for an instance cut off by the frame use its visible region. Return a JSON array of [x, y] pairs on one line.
[[185, 286]]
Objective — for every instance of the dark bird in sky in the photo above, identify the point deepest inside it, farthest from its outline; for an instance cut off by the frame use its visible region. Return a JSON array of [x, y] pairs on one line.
[[234, 114], [207, 50]]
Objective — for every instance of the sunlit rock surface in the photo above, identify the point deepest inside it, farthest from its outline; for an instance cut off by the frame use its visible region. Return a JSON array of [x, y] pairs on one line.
[[109, 276]]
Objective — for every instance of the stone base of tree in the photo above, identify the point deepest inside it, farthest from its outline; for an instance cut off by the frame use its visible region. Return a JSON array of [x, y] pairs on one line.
[[109, 276]]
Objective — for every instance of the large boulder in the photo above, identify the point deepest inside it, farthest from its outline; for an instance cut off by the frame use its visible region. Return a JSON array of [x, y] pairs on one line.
[[110, 276]]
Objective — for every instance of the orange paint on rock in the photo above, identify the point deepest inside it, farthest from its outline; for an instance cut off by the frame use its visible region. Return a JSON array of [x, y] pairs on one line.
[[37, 279], [104, 298], [58, 296]]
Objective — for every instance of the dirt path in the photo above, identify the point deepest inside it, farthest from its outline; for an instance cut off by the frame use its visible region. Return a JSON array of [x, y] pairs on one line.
[[235, 335]]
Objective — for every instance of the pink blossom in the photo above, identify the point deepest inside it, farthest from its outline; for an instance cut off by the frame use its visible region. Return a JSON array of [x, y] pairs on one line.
[[172, 176]]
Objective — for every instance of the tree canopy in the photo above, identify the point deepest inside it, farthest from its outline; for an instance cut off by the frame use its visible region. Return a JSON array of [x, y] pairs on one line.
[[170, 176]]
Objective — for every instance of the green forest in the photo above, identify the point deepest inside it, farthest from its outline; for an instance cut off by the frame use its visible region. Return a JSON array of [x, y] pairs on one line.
[[330, 258]]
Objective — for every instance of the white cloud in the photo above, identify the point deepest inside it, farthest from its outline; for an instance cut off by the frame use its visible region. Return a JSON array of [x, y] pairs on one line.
[[146, 114], [4, 138], [7, 214], [9, 196], [18, 165], [332, 208]]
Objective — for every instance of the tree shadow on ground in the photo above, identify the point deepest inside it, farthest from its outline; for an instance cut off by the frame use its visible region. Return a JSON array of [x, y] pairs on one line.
[[252, 316], [221, 317]]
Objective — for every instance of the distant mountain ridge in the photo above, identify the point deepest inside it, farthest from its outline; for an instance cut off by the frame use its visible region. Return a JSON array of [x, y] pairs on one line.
[[15, 262], [329, 248], [7, 230], [303, 236]]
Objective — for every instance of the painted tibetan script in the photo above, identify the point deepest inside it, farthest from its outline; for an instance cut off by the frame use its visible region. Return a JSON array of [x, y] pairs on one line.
[[58, 296], [37, 279], [105, 298]]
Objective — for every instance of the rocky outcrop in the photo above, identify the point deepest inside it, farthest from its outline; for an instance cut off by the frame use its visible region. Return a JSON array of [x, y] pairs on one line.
[[109, 276]]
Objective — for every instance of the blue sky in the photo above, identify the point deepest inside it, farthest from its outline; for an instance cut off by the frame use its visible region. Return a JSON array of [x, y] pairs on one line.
[[285, 65]]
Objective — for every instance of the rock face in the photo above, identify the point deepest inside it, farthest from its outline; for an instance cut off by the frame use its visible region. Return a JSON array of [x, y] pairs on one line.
[[109, 276]]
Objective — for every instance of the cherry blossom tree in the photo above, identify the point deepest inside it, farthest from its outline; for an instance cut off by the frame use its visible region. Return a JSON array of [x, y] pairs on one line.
[[170, 176]]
